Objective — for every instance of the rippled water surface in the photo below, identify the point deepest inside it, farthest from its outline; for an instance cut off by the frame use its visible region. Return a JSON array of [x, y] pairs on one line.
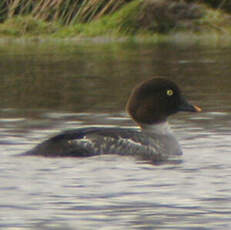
[[46, 88]]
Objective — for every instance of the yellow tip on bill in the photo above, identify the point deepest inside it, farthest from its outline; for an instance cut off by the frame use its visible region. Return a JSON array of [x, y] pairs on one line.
[[197, 108]]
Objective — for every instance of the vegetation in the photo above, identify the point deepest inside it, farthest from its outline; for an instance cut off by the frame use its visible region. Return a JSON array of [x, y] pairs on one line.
[[23, 25], [68, 18], [64, 11]]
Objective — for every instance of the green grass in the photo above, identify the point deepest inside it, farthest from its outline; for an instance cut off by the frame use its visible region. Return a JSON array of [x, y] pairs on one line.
[[65, 12], [138, 18], [215, 21], [122, 22], [26, 25]]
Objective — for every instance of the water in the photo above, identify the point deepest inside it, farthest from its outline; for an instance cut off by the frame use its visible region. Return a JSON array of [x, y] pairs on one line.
[[46, 88]]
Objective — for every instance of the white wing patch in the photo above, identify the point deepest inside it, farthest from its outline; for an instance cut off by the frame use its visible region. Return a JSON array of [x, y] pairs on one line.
[[136, 145], [130, 141]]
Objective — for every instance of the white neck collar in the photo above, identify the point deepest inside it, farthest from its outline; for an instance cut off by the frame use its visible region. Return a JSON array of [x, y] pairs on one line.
[[160, 128]]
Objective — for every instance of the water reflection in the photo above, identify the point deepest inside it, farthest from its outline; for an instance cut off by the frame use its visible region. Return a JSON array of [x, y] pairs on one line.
[[48, 88], [83, 79]]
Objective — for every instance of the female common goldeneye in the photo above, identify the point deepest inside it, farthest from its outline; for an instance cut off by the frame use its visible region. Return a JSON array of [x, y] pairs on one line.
[[149, 105]]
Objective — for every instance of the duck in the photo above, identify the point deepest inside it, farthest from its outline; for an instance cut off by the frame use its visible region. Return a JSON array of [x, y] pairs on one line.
[[150, 104]]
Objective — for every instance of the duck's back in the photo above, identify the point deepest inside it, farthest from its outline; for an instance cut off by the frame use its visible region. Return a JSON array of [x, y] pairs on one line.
[[95, 141]]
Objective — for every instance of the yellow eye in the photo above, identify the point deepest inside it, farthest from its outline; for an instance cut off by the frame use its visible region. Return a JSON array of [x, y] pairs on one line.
[[169, 92]]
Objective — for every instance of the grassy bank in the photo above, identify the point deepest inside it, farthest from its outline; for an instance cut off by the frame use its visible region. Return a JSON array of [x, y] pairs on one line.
[[66, 19]]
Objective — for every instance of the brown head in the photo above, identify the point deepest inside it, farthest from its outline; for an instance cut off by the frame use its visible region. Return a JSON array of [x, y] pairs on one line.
[[152, 101]]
